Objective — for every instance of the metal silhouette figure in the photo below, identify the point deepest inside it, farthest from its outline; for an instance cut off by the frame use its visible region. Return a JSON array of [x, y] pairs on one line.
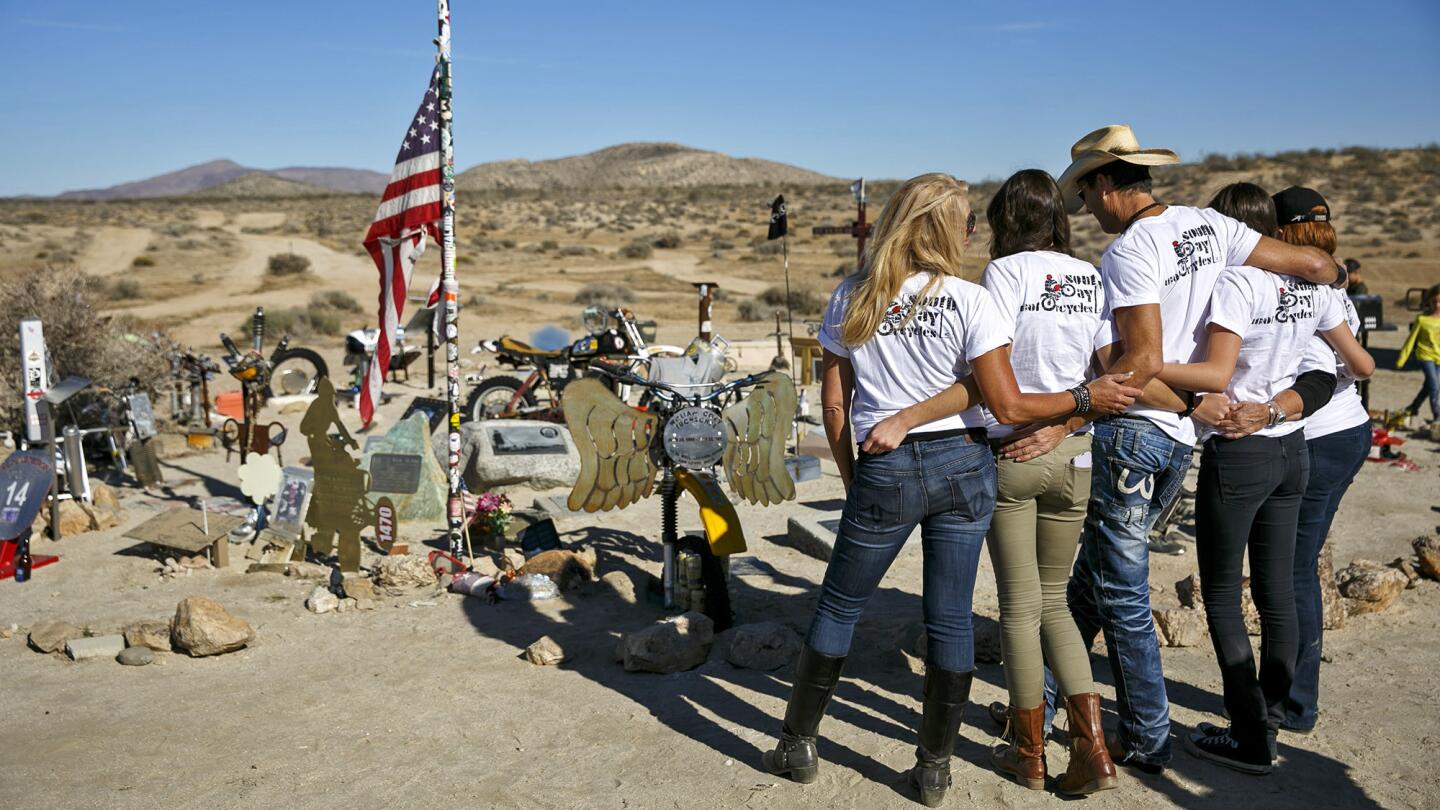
[[338, 506]]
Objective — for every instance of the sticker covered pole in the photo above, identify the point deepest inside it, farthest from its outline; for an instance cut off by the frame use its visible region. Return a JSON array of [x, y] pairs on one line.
[[449, 288]]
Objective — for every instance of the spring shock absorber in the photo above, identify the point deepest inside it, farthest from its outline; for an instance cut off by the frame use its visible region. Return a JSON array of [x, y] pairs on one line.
[[257, 329], [669, 535]]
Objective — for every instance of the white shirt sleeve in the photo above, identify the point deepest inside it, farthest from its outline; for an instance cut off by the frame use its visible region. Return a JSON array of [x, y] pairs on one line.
[[1237, 237], [829, 335], [1230, 303], [1003, 285], [984, 327], [1131, 276], [1329, 308]]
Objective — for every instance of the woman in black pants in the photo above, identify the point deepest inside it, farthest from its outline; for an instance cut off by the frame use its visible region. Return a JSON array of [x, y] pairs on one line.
[[1250, 489]]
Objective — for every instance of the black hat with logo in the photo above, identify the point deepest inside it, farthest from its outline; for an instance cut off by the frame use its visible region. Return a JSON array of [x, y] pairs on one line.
[[1298, 204]]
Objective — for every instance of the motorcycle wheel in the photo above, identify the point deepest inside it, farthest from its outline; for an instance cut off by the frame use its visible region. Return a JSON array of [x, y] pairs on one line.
[[296, 371], [491, 398]]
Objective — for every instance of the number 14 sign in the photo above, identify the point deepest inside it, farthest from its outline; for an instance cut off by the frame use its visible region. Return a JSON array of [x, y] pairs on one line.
[[25, 480]]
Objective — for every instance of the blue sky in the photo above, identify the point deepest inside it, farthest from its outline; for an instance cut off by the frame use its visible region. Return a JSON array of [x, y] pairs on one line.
[[97, 92]]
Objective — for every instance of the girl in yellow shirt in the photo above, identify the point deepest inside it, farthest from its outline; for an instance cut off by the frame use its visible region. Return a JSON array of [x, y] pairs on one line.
[[1424, 341]]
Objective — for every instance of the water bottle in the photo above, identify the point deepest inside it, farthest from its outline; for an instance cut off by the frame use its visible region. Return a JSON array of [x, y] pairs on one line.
[[23, 562]]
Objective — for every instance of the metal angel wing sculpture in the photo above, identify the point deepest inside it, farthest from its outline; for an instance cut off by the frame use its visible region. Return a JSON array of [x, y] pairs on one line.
[[756, 430], [613, 440]]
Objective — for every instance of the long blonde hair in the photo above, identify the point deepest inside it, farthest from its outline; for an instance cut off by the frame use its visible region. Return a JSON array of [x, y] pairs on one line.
[[922, 229]]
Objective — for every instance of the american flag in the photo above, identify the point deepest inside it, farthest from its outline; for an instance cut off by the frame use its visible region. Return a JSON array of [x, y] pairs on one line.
[[409, 209]]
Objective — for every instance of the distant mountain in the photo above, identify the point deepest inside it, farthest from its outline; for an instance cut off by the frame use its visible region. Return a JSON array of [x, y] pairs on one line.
[[637, 165], [218, 172], [260, 184]]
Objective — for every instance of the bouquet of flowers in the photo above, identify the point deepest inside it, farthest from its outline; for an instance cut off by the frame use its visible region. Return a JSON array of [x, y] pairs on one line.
[[493, 513]]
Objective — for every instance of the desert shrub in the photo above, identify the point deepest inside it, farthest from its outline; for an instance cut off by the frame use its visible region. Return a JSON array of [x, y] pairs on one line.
[[721, 244], [802, 301], [142, 261], [637, 249], [575, 250], [668, 240], [754, 309], [126, 289], [106, 349], [298, 322], [768, 248], [605, 294], [287, 264], [549, 244], [335, 299]]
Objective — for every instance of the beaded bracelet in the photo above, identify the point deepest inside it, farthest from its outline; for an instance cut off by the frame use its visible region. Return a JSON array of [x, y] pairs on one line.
[[1082, 399]]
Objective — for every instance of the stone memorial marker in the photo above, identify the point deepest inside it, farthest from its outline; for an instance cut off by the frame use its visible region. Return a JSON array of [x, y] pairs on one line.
[[406, 449], [496, 452]]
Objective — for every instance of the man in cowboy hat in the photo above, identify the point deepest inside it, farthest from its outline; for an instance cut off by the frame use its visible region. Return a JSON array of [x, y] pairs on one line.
[[1158, 275]]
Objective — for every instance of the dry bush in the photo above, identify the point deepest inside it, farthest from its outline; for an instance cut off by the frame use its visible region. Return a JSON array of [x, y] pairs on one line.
[[802, 301], [143, 261], [668, 240], [107, 350], [605, 294], [638, 249], [126, 289], [287, 264], [335, 299]]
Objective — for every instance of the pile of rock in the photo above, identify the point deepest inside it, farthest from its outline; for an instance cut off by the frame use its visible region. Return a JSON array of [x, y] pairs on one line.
[[77, 517], [184, 565], [200, 627]]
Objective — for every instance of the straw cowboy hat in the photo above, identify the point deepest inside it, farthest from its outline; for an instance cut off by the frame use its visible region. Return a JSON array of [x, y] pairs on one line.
[[1106, 145]]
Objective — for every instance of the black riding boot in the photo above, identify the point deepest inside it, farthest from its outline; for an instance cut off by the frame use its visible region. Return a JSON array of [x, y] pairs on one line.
[[946, 694], [815, 679]]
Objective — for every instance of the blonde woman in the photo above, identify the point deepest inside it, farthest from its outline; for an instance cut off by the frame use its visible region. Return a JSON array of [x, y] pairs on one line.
[[903, 330]]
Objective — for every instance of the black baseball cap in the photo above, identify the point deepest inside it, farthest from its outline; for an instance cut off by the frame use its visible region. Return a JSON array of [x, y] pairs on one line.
[[1296, 204]]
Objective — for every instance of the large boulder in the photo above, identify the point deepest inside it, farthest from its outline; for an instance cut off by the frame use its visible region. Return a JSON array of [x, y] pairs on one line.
[[500, 452], [1331, 602], [674, 644], [203, 627], [763, 645], [50, 635], [1427, 548], [545, 652], [1188, 590], [1370, 586]]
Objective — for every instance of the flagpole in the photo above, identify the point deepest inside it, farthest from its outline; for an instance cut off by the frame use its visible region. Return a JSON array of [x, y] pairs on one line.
[[789, 318], [450, 289]]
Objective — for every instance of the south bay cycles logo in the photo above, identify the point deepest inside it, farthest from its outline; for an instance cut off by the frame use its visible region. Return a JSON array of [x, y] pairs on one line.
[[1296, 302], [1070, 293], [908, 318], [1193, 250]]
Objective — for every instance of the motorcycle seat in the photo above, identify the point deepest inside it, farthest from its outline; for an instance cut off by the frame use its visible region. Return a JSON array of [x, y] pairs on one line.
[[513, 346]]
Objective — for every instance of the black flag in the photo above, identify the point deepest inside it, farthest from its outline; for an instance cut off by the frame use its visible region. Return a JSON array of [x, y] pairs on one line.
[[779, 220]]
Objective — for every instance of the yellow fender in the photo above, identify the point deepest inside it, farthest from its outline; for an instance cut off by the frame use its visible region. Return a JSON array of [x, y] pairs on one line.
[[717, 513]]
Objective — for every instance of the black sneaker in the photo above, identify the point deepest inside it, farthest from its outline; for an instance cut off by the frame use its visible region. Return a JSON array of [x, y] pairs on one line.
[[1215, 744], [1210, 730], [1166, 545]]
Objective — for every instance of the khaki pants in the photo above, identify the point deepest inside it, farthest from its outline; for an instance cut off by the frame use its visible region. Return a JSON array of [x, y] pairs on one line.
[[1039, 511]]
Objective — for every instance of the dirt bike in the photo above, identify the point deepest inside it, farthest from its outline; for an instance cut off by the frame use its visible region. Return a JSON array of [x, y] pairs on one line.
[[616, 337]]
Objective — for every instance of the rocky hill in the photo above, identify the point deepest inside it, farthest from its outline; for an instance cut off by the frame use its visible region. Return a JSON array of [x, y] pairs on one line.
[[634, 166], [217, 172], [261, 184]]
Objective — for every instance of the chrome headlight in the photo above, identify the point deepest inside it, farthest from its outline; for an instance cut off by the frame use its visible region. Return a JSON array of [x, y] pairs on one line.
[[595, 319], [695, 438]]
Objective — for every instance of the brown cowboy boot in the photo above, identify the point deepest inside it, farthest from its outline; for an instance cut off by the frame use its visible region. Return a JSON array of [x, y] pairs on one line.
[[1091, 769], [1022, 754]]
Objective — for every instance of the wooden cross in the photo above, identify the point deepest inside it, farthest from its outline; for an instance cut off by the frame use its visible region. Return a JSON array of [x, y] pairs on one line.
[[859, 229]]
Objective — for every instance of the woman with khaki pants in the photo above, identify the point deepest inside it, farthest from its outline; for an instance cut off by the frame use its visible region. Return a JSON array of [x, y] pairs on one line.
[[1056, 308]]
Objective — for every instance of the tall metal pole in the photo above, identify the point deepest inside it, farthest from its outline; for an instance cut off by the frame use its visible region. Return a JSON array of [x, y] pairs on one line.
[[450, 289], [789, 318]]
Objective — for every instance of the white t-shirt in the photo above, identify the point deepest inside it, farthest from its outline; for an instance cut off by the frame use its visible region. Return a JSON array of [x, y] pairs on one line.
[[1054, 305], [906, 362], [1173, 260], [1276, 317], [1345, 409]]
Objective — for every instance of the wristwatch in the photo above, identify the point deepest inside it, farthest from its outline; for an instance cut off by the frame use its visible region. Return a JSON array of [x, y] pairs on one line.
[[1277, 414], [1192, 401]]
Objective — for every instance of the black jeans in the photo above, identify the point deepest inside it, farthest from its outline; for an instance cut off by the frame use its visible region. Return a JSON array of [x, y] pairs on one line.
[[1249, 496]]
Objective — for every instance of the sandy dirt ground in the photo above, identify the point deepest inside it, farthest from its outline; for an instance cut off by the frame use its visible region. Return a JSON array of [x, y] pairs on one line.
[[426, 701]]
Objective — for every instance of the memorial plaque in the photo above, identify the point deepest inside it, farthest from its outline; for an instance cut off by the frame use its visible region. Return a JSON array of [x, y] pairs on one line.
[[395, 472], [142, 416], [436, 411], [539, 537], [291, 500], [25, 480], [527, 440]]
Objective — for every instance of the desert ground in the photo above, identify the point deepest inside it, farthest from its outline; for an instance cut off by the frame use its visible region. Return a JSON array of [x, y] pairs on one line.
[[428, 700]]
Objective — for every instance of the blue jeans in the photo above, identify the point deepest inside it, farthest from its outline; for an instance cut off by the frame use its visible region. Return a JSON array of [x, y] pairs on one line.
[[947, 488], [1138, 469], [1334, 461], [1430, 390]]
